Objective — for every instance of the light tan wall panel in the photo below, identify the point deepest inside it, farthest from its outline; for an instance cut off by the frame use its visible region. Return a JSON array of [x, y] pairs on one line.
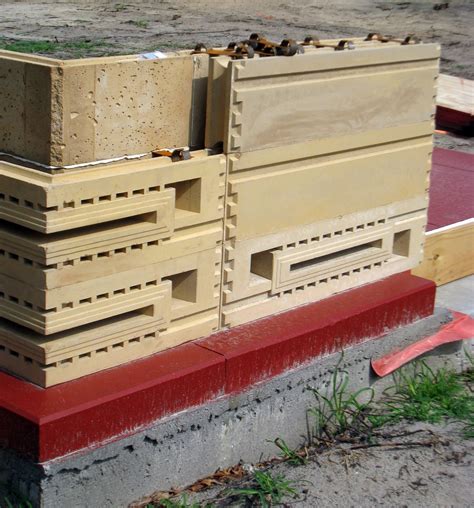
[[273, 190], [275, 101]]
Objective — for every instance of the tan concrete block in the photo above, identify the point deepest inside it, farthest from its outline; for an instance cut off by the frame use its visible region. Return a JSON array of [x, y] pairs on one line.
[[273, 101], [82, 197], [286, 187], [276, 272], [194, 282], [51, 261], [80, 111]]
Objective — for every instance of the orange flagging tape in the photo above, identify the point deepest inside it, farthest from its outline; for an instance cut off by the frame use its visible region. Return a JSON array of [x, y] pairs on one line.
[[460, 328]]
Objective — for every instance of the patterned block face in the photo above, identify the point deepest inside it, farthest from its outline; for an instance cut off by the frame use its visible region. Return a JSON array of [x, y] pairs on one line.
[[266, 102], [276, 272], [159, 194], [62, 113]]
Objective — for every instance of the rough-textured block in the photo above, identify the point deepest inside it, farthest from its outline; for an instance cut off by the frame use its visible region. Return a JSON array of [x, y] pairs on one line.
[[62, 113], [267, 102], [179, 304], [281, 188], [275, 272], [156, 191]]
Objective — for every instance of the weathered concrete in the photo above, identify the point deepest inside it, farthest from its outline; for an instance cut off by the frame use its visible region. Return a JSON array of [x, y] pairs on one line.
[[189, 445]]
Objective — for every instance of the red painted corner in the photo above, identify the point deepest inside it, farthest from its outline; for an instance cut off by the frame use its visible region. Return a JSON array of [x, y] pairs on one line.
[[67, 418], [267, 347], [94, 409]]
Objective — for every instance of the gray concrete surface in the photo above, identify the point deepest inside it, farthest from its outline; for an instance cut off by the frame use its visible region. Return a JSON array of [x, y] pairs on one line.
[[193, 444], [457, 295]]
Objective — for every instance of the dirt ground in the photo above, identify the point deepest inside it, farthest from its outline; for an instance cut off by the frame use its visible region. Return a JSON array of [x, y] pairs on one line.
[[95, 28], [133, 27], [421, 465]]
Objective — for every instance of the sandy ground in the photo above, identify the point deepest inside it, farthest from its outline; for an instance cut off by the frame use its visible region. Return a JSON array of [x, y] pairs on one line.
[[423, 465], [131, 27]]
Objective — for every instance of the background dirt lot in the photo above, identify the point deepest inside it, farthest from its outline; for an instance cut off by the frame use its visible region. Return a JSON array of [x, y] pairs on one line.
[[134, 27]]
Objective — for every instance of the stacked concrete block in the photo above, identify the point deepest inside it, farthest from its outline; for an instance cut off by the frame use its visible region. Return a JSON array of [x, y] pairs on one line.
[[328, 157], [107, 264], [321, 187], [62, 113]]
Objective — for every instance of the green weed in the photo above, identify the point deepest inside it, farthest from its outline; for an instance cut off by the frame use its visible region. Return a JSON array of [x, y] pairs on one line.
[[293, 457], [182, 502], [341, 412], [140, 23], [421, 394], [266, 489]]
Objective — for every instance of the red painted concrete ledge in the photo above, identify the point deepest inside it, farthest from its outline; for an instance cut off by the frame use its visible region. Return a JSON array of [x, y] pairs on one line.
[[48, 424]]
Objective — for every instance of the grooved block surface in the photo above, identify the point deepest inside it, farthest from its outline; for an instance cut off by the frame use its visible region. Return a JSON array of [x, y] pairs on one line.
[[83, 413], [79, 111], [269, 102], [323, 179], [273, 273], [267, 347], [157, 190]]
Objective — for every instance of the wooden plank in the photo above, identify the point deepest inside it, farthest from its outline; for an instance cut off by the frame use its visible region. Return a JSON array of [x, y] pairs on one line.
[[455, 104], [448, 253]]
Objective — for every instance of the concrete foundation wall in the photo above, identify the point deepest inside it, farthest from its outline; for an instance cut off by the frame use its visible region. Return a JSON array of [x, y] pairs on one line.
[[185, 447]]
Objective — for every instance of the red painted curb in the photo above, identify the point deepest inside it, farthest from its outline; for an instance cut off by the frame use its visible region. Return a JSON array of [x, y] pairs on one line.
[[270, 346], [48, 424]]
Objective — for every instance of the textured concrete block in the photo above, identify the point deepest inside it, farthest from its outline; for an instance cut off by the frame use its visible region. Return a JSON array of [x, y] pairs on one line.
[[267, 102], [62, 113], [277, 189], [180, 304], [275, 272], [155, 190]]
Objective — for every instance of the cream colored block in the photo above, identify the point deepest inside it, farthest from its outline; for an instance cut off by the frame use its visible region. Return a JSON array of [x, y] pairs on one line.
[[276, 272], [194, 287], [62, 113], [193, 282], [286, 187], [60, 358], [157, 191], [51, 261], [276, 101]]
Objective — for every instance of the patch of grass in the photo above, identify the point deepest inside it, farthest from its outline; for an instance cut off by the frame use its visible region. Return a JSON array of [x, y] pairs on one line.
[[340, 411], [140, 23], [119, 7], [421, 394], [75, 48], [182, 502], [15, 500], [293, 457], [265, 489]]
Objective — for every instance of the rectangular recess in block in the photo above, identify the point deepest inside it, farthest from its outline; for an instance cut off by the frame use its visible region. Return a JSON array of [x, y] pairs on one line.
[[307, 263], [183, 285], [401, 243], [188, 194], [60, 259]]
